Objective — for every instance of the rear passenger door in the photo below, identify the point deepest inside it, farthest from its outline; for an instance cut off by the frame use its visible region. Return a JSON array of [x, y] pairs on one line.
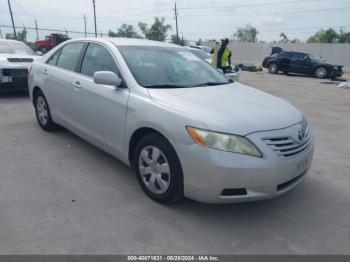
[[99, 111], [284, 61], [59, 72]]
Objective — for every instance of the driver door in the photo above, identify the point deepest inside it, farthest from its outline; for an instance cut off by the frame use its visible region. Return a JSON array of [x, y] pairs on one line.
[[99, 110]]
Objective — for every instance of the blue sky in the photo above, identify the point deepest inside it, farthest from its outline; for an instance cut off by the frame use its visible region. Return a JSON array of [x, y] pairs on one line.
[[204, 19]]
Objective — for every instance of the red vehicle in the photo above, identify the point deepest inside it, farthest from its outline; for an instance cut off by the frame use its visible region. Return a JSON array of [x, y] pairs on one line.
[[50, 42]]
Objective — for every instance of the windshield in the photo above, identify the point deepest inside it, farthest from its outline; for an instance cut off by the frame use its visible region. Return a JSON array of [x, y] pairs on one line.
[[200, 53], [9, 47], [314, 57], [169, 67]]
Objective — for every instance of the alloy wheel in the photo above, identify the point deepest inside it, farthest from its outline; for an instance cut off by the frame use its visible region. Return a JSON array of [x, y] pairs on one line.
[[321, 72], [273, 68]]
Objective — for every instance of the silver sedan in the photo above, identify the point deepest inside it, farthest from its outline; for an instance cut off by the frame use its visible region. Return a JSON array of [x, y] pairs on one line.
[[185, 128]]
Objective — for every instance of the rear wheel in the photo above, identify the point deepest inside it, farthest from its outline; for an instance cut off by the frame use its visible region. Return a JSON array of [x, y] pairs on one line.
[[42, 112], [273, 68], [321, 72], [158, 169]]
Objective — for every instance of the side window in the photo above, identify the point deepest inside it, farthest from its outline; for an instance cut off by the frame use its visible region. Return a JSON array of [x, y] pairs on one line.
[[69, 56], [299, 55], [284, 55], [53, 59], [97, 58]]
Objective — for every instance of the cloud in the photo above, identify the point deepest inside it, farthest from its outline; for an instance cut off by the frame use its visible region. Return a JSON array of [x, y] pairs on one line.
[[271, 20]]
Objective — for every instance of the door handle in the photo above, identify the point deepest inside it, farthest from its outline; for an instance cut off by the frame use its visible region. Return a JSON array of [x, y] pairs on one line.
[[44, 71], [77, 84]]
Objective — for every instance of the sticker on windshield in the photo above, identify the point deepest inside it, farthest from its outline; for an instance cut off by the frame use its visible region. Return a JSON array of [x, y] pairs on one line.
[[189, 56]]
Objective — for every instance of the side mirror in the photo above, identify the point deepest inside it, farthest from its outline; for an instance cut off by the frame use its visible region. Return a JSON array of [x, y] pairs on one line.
[[220, 70], [39, 53], [107, 78]]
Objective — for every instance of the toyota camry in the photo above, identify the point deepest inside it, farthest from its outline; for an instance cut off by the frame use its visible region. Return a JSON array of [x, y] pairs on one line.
[[184, 127]]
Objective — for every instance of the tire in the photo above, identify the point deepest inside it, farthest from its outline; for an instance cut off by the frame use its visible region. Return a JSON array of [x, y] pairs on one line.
[[43, 50], [42, 112], [273, 68], [154, 155], [321, 72]]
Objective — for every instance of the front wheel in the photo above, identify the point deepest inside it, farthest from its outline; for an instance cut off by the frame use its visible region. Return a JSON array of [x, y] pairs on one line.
[[321, 72], [158, 169], [273, 68], [42, 112]]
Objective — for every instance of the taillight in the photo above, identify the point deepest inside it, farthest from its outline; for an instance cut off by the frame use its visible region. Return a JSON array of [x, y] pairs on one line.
[[29, 69]]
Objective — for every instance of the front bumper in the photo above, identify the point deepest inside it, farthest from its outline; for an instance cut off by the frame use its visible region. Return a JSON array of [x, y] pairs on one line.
[[214, 176], [336, 72], [13, 79]]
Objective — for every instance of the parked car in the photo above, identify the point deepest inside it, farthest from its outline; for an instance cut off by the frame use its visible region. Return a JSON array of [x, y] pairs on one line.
[[204, 48], [200, 53], [182, 125], [15, 58], [301, 63]]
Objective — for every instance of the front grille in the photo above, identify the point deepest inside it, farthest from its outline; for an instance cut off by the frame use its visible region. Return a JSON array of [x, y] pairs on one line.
[[20, 60], [287, 147]]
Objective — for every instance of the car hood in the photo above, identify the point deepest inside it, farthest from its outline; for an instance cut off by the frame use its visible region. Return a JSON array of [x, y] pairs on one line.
[[233, 108]]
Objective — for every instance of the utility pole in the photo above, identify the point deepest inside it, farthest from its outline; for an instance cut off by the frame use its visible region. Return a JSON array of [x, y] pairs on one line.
[[85, 25], [65, 29], [101, 34], [0, 33], [13, 23], [37, 31], [177, 28], [94, 4]]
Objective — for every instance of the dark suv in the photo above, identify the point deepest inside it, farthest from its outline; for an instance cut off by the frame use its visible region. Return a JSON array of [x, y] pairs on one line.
[[301, 63]]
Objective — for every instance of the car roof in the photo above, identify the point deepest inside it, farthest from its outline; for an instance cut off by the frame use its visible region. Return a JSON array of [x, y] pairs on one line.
[[294, 52], [126, 41]]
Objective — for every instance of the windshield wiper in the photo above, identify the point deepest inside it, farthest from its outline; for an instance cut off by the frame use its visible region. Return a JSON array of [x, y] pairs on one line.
[[165, 86], [213, 84]]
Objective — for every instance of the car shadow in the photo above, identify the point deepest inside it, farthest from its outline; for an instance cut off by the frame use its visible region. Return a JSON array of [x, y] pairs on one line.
[[335, 80], [14, 95]]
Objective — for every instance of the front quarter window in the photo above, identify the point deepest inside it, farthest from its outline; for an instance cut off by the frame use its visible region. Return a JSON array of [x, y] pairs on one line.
[[169, 67]]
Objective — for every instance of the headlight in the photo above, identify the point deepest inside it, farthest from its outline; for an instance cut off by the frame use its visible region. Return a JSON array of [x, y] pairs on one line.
[[225, 142]]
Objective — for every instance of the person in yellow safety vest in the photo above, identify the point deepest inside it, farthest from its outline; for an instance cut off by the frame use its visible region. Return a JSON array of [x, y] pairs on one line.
[[222, 56]]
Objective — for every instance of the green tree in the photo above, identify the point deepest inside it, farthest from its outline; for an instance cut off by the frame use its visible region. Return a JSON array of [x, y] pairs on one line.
[[324, 36], [284, 38], [246, 34], [125, 30], [22, 35], [158, 30], [182, 40], [344, 37]]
